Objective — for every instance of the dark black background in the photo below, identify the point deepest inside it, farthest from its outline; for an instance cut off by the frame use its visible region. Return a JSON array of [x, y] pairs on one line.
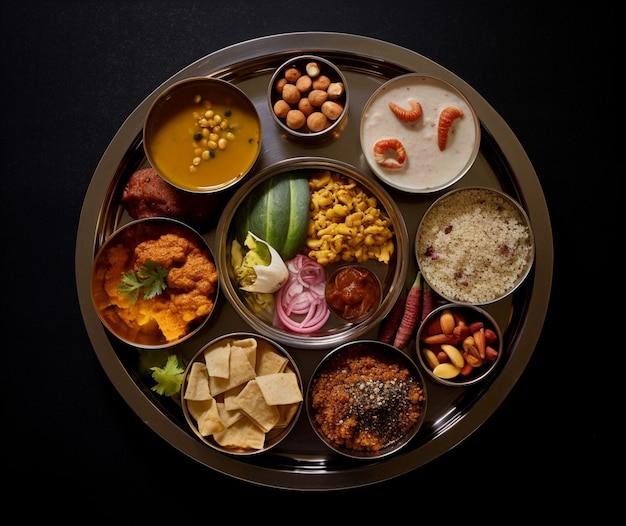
[[74, 70]]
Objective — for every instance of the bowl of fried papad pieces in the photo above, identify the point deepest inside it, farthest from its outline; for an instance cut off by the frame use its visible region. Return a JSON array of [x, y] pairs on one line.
[[242, 394]]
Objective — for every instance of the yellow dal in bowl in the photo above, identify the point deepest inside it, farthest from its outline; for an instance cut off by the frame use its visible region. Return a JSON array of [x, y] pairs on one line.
[[178, 130]]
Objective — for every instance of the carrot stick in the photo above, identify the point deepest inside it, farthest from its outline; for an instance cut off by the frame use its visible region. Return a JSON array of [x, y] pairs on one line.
[[412, 313], [438, 339], [390, 324], [428, 300]]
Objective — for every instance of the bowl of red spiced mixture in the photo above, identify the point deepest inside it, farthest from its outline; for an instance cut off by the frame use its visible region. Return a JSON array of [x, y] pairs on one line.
[[353, 293], [366, 400], [154, 283]]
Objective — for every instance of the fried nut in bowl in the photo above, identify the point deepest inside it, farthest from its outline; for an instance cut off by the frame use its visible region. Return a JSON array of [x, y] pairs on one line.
[[459, 345], [366, 400], [242, 394], [154, 283], [202, 135], [308, 99], [475, 245], [317, 215], [419, 134]]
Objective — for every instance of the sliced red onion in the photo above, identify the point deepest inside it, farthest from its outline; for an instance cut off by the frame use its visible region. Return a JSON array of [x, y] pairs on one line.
[[303, 294]]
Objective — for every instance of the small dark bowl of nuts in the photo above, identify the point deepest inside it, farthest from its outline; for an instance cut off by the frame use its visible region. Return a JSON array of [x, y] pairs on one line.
[[308, 99], [459, 345]]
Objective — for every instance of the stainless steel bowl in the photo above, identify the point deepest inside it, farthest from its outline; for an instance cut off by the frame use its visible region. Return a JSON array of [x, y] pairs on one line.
[[429, 349], [353, 293], [202, 135], [143, 323], [392, 275], [366, 400], [289, 413], [475, 245], [401, 146], [304, 133]]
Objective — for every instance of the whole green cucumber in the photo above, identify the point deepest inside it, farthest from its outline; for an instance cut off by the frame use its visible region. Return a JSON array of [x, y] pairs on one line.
[[277, 211]]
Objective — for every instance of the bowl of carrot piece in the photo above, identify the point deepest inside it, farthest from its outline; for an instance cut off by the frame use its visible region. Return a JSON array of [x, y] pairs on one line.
[[459, 345]]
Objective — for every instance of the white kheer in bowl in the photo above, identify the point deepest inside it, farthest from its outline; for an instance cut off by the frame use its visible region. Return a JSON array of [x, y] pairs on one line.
[[419, 134]]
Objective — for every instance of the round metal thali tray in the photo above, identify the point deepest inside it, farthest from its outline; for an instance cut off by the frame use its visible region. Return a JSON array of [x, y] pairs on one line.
[[302, 462]]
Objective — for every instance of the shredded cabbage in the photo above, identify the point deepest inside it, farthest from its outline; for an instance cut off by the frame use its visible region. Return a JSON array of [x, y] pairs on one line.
[[260, 269]]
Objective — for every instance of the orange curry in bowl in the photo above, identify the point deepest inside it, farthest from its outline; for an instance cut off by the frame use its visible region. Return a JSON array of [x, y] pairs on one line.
[[154, 282]]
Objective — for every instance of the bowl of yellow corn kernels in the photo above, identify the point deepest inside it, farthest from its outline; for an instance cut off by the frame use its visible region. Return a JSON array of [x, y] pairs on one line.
[[202, 135], [459, 345]]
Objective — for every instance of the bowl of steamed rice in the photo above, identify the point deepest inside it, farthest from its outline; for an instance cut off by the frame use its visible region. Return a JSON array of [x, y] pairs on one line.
[[475, 245]]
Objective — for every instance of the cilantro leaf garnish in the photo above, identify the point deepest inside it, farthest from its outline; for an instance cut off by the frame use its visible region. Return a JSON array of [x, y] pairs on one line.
[[149, 280], [168, 378]]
